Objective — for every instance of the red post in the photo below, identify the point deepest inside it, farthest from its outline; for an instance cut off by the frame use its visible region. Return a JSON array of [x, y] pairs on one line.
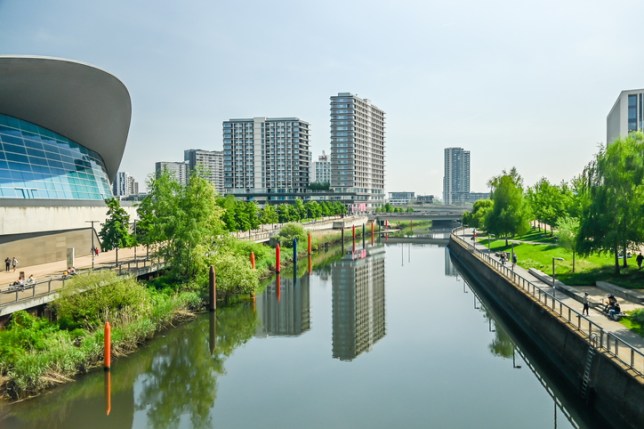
[[277, 258], [308, 248], [252, 260], [277, 287], [107, 346]]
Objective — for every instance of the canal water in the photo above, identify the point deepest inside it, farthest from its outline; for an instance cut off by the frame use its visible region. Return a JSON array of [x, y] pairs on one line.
[[389, 338]]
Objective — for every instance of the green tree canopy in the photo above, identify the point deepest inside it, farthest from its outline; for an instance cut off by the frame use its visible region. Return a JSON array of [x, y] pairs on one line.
[[115, 233], [510, 212]]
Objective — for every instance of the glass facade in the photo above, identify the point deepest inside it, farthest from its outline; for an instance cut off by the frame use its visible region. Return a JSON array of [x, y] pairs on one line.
[[36, 163]]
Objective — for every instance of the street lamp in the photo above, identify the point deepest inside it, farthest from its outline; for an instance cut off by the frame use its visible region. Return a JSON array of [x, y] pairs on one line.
[[554, 287], [93, 248], [489, 241]]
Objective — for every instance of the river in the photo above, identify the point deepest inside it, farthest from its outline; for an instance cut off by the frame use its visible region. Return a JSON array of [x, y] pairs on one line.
[[394, 338]]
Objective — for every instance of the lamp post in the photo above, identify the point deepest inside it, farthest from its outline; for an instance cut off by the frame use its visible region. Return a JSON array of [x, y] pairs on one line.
[[136, 243], [93, 248], [554, 287]]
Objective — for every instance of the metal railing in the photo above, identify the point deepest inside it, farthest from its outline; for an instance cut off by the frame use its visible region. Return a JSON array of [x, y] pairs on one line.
[[596, 336], [40, 289]]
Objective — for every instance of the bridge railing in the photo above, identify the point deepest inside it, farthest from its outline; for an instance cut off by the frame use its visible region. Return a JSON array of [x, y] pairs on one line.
[[42, 288], [595, 334]]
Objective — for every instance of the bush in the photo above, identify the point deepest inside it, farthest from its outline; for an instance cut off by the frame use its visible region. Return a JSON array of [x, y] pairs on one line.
[[87, 301], [234, 274], [289, 232], [638, 316]]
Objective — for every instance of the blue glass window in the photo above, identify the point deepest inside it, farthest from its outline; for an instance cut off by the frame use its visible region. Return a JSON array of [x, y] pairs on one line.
[[38, 163]]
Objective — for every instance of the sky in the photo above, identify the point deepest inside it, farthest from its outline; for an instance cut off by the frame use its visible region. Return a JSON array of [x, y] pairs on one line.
[[525, 84]]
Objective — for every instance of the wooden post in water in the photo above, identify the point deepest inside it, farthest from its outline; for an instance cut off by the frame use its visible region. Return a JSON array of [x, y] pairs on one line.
[[373, 229], [277, 258], [212, 333], [295, 255], [252, 260], [308, 246], [107, 346], [212, 287]]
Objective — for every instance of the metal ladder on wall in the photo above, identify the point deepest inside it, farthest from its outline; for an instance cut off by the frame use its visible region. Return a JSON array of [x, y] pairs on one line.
[[588, 366]]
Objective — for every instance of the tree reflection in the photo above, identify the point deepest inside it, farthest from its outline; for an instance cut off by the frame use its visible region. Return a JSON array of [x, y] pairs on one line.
[[502, 344], [182, 379]]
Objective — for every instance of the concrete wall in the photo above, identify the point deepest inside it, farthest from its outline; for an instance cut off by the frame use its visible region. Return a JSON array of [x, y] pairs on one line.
[[613, 393], [38, 234]]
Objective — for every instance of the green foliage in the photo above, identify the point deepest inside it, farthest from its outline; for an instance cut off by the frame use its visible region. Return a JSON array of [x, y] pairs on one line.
[[476, 218], [234, 274], [638, 316], [289, 232], [612, 194], [115, 233], [87, 301], [567, 235], [269, 215], [510, 214], [319, 186]]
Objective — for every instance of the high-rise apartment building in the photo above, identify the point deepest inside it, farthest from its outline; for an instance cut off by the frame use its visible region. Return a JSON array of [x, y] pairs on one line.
[[358, 150], [321, 169], [177, 170], [124, 185], [627, 115], [266, 156], [456, 182], [210, 163]]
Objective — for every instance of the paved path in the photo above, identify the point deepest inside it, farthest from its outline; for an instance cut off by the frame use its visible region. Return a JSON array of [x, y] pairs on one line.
[[596, 295]]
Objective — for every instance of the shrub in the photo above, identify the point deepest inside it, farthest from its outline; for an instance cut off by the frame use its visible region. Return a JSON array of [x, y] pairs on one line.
[[638, 316], [289, 232], [234, 274]]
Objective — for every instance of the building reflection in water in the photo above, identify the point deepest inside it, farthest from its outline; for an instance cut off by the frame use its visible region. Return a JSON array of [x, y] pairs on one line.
[[358, 302], [450, 269], [286, 315]]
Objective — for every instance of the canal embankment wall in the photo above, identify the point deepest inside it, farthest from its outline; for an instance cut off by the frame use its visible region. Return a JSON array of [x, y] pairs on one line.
[[607, 385]]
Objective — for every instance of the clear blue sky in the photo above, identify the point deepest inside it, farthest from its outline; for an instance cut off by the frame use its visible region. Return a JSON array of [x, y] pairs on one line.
[[518, 83]]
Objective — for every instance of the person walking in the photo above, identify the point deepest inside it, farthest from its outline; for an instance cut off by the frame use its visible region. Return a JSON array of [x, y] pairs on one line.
[[639, 259], [7, 264], [586, 304], [14, 263]]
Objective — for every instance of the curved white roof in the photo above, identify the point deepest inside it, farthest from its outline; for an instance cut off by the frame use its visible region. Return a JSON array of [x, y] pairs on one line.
[[83, 103]]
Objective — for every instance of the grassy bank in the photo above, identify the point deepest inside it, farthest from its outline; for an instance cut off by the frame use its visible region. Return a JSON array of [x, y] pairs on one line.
[[36, 354]]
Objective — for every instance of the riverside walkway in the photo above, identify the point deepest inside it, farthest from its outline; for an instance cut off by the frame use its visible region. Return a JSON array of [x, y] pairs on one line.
[[566, 301]]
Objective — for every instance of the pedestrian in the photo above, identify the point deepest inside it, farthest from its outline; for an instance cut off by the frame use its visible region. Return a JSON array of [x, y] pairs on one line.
[[7, 264], [639, 259], [586, 304], [514, 259], [14, 263]]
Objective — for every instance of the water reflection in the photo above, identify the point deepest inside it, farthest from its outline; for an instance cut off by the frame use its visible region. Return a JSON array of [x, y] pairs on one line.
[[358, 303], [287, 313]]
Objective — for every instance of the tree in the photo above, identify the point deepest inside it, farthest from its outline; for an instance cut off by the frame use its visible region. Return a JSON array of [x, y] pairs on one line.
[[269, 215], [510, 213], [567, 232], [115, 232], [299, 211], [476, 218], [229, 204], [613, 199], [289, 232], [549, 203]]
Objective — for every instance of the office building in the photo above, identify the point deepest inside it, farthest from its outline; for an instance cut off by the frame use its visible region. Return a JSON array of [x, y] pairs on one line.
[[456, 182], [177, 170], [210, 163], [321, 169], [401, 198], [627, 115], [357, 151], [266, 158], [63, 129], [124, 185]]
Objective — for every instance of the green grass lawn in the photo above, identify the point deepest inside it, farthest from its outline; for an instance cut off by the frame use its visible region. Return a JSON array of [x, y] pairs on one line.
[[588, 269]]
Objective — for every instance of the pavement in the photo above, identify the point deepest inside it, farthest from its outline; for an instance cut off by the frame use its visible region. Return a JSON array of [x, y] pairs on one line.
[[572, 297]]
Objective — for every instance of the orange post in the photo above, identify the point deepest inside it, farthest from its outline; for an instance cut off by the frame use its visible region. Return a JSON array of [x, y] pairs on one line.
[[107, 346], [108, 393], [252, 260], [373, 230], [308, 247], [310, 267], [277, 258]]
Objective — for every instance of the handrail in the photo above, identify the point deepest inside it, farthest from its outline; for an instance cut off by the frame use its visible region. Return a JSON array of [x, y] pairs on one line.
[[593, 333], [54, 284]]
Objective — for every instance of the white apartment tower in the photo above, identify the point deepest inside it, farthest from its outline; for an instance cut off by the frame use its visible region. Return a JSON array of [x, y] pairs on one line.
[[177, 170], [358, 150], [266, 155], [210, 163], [627, 115], [321, 169], [456, 182]]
